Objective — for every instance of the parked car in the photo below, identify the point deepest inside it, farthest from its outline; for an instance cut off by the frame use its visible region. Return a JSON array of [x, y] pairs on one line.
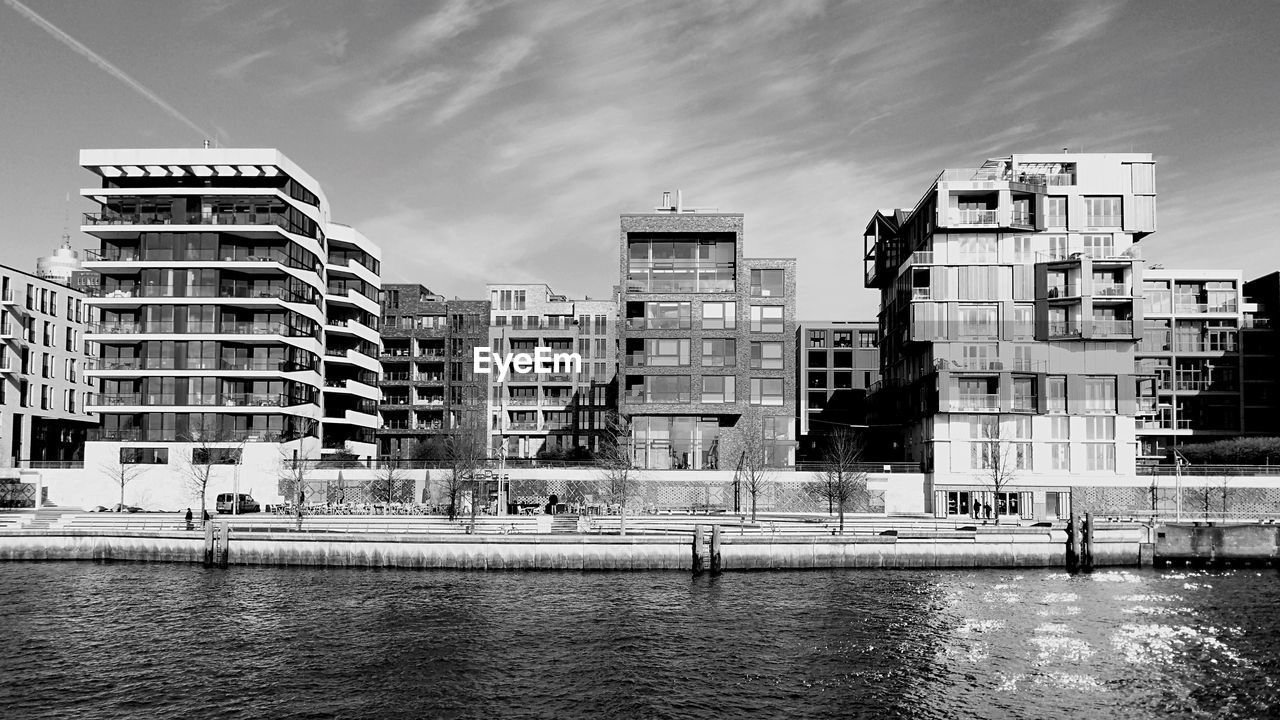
[[232, 504]]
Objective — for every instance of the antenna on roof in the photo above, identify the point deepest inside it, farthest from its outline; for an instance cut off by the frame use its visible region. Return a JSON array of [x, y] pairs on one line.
[[66, 234], [206, 144]]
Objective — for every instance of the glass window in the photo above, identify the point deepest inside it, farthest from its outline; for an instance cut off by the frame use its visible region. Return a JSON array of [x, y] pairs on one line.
[[768, 283], [768, 355], [1100, 456], [766, 318], [719, 316], [718, 389], [766, 391], [1102, 211], [664, 352], [718, 352], [1100, 394], [1055, 394]]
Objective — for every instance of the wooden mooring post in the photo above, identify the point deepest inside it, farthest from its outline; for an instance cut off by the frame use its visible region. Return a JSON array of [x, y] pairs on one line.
[[699, 540], [208, 544], [715, 549], [224, 556], [1073, 542], [1088, 541]]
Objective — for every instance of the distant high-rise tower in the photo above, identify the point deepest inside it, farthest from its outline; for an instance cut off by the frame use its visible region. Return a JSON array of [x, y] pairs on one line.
[[59, 266]]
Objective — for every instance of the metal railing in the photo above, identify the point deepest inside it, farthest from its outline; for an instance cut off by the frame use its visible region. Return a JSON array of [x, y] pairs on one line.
[[1120, 328], [1064, 290], [1105, 289], [1103, 220], [986, 401], [211, 400], [973, 217], [1064, 329], [168, 218]]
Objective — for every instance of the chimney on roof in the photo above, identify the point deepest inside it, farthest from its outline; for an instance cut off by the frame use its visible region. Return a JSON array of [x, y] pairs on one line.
[[679, 201], [206, 144]]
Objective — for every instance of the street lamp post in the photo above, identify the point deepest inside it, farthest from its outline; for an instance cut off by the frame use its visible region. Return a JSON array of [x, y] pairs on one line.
[[1178, 460]]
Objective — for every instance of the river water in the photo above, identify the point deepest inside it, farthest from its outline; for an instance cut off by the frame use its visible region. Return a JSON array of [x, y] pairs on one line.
[[133, 641]]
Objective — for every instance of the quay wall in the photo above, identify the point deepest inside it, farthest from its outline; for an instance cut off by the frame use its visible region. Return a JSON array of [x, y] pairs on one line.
[[1217, 543], [1012, 547]]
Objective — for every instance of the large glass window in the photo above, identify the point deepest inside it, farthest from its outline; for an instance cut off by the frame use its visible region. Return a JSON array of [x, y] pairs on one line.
[[1102, 211], [1055, 394], [768, 283], [1100, 394], [719, 316], [680, 263], [766, 318], [676, 443], [658, 389], [663, 352], [768, 355], [779, 444], [719, 352], [718, 389], [766, 391]]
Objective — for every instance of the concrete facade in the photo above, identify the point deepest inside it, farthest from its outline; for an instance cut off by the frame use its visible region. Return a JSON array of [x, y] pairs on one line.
[[1011, 306], [44, 384]]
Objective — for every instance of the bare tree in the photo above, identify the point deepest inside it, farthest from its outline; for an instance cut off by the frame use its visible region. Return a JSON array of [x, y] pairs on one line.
[[754, 471], [841, 482], [122, 472], [389, 481], [294, 473], [998, 459], [466, 451], [211, 447], [615, 465]]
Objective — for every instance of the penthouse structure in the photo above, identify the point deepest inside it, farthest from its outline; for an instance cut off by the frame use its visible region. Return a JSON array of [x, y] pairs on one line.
[[1011, 309], [559, 414], [43, 383], [428, 387], [231, 311], [837, 363], [708, 342]]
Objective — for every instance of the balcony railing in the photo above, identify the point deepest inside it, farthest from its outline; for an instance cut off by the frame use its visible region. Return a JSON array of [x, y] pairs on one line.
[[1103, 289], [979, 402], [163, 218], [524, 401], [1064, 290], [1146, 405], [635, 323], [1256, 322], [1103, 220], [211, 400], [1055, 221], [1024, 403], [392, 377], [1022, 218], [1112, 328], [921, 293], [522, 425], [1064, 329], [642, 398], [973, 217], [919, 257]]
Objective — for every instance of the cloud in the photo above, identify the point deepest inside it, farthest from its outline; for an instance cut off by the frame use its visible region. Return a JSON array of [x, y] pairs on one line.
[[388, 101], [429, 32], [106, 66], [235, 69], [486, 77]]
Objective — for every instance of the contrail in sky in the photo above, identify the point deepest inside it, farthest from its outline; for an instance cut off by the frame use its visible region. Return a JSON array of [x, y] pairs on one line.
[[98, 60]]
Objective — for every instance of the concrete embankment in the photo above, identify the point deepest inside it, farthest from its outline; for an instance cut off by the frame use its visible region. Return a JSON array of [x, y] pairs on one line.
[[993, 547], [1214, 544]]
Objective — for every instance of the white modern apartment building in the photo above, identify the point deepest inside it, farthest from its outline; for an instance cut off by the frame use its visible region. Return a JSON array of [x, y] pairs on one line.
[[550, 414], [1011, 309], [234, 319], [43, 383]]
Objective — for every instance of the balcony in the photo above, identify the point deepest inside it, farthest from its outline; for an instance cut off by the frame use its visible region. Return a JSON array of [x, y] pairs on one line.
[[1257, 322], [522, 401], [1022, 219], [979, 402], [637, 323], [522, 425], [1024, 403], [1063, 290], [211, 400], [919, 257], [1112, 289], [163, 218], [972, 217], [1146, 405], [921, 293], [1068, 328], [639, 397], [1112, 328]]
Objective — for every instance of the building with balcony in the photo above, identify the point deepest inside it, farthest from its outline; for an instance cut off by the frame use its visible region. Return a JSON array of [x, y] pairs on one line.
[[43, 383], [837, 362], [233, 317], [707, 342], [557, 414], [428, 387], [1192, 350], [1260, 347], [1010, 312]]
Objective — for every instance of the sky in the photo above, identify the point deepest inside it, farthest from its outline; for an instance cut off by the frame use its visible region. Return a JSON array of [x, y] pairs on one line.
[[499, 141]]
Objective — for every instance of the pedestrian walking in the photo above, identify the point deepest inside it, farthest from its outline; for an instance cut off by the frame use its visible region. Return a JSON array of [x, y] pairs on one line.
[[189, 525]]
